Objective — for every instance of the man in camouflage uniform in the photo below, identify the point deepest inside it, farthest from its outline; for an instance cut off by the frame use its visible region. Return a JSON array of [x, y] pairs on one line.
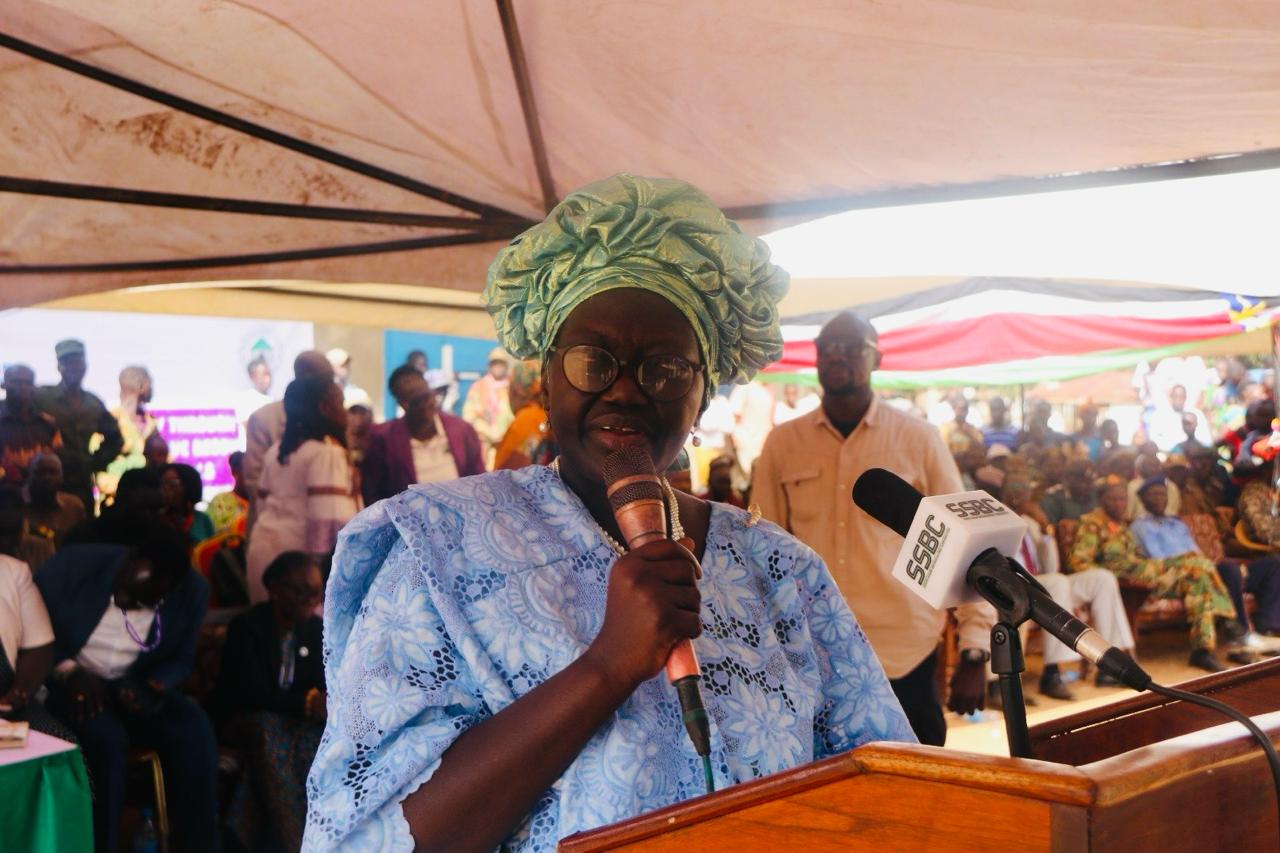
[[79, 415], [1104, 539]]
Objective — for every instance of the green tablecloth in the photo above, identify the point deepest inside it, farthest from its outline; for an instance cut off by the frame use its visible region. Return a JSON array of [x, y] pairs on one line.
[[44, 804]]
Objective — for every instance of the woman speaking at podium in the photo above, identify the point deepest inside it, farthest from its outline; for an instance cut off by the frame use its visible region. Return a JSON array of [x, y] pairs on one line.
[[494, 655]]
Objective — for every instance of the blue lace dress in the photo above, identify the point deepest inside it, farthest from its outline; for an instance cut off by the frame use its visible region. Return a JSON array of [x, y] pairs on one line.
[[451, 601]]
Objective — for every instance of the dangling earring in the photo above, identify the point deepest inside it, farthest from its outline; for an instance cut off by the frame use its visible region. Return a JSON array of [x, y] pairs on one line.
[[696, 440]]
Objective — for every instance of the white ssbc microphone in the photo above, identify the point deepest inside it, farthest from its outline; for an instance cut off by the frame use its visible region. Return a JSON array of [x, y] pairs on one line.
[[943, 535], [944, 561]]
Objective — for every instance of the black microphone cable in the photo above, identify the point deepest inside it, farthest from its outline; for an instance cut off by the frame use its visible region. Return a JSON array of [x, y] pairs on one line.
[[1223, 708]]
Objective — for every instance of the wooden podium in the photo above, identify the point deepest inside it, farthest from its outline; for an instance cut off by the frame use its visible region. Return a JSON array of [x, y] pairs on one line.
[[1146, 773]]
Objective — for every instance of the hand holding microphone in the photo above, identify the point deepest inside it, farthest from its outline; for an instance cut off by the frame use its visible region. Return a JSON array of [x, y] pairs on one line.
[[653, 603], [664, 589]]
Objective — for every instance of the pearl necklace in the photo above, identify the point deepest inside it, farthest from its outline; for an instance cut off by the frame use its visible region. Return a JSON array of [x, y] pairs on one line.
[[677, 529]]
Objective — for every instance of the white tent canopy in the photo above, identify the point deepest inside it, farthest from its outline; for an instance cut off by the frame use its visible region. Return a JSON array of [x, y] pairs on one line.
[[470, 116]]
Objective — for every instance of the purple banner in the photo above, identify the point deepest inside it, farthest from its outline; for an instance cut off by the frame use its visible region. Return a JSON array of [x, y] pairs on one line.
[[203, 439]]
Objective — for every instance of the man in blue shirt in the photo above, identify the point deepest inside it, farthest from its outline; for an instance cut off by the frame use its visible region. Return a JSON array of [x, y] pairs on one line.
[[999, 431], [1164, 536]]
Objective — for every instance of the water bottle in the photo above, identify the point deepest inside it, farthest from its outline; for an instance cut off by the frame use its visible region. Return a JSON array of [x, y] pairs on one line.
[[145, 841]]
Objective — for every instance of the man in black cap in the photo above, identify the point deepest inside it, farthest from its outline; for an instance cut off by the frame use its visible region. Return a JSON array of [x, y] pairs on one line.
[[79, 415]]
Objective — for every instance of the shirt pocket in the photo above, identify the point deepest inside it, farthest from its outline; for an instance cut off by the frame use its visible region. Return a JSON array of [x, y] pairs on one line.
[[803, 491]]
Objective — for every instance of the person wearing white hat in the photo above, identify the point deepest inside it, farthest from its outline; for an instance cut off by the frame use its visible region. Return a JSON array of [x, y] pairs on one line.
[[352, 394], [487, 408]]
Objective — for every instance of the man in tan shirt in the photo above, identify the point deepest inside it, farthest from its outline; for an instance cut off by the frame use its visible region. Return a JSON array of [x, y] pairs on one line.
[[803, 480]]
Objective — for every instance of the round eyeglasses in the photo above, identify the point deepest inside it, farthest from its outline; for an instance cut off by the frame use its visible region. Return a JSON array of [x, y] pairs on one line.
[[662, 378]]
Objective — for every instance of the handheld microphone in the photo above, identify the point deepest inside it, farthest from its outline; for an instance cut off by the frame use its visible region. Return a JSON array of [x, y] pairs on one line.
[[956, 552], [635, 495]]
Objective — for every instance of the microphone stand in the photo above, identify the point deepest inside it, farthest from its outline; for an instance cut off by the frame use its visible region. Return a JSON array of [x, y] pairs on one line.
[[989, 576]]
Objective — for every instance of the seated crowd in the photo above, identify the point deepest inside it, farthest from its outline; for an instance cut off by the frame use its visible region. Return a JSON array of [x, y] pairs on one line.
[[107, 598]]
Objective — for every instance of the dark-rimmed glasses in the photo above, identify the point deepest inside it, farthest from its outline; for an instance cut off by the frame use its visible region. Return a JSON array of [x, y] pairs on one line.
[[662, 378]]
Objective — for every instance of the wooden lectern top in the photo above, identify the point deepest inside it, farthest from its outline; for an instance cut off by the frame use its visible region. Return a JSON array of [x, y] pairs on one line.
[[1175, 785]]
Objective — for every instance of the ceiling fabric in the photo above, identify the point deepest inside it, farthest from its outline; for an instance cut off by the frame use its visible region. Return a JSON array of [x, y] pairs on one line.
[[780, 111]]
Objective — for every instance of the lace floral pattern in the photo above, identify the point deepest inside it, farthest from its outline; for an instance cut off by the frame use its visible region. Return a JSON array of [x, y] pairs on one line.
[[450, 601]]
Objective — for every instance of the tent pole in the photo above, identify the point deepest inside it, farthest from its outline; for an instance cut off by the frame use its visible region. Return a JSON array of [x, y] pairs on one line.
[[500, 228], [253, 259], [1022, 403]]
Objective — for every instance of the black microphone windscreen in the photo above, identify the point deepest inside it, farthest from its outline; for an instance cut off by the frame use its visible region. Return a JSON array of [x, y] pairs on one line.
[[887, 498]]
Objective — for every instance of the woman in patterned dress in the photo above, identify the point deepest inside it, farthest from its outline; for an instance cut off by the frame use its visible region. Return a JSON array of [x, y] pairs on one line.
[[494, 657]]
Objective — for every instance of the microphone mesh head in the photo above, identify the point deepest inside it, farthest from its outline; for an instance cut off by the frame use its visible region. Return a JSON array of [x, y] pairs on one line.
[[887, 498], [631, 462]]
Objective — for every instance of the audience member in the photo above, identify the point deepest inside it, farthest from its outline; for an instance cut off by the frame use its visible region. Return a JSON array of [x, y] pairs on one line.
[[958, 434], [1109, 433], [51, 512], [990, 476], [135, 423], [1258, 416], [486, 407], [1089, 437], [359, 422], [792, 405], [820, 455], [423, 446], [155, 452], [1146, 468], [720, 483], [1038, 436], [752, 406], [229, 510], [1166, 428], [25, 432], [26, 649], [998, 430], [969, 462], [270, 702], [306, 492], [125, 621], [417, 359], [1162, 536], [1097, 589], [352, 394], [79, 415], [1105, 540], [182, 489], [16, 537], [1073, 497], [442, 382], [1257, 502], [519, 447], [265, 427]]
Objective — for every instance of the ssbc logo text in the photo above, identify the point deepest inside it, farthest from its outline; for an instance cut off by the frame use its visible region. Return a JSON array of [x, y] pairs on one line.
[[928, 544], [976, 508]]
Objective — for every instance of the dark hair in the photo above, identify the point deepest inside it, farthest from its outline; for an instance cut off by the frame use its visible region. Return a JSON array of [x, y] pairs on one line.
[[235, 460], [400, 373], [282, 565], [192, 484], [303, 419], [167, 549], [409, 358], [135, 486], [257, 361]]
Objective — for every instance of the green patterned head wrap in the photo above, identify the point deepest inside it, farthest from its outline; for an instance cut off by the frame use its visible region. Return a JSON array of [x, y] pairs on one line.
[[655, 234]]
